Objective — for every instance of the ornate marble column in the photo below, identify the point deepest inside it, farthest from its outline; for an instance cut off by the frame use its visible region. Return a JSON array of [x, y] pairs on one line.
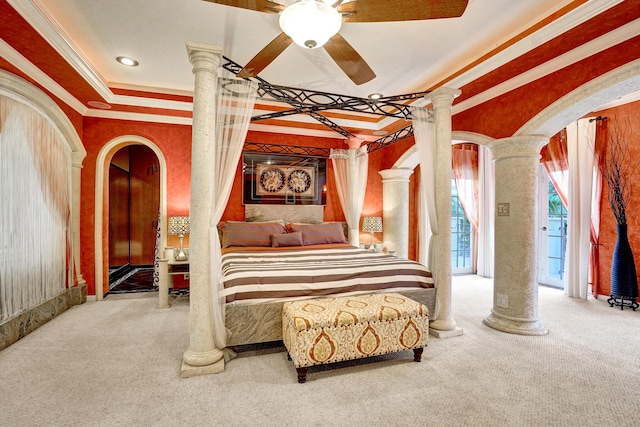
[[352, 172], [202, 356], [395, 210], [76, 164], [442, 99], [515, 284]]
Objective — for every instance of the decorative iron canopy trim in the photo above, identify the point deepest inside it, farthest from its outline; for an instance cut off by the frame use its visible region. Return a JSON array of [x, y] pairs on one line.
[[290, 150], [311, 102]]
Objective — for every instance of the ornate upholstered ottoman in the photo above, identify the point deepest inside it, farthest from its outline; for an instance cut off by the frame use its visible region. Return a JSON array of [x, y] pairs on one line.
[[326, 330]]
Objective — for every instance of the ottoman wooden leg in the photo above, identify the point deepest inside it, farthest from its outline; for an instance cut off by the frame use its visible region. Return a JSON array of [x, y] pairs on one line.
[[302, 375], [417, 354]]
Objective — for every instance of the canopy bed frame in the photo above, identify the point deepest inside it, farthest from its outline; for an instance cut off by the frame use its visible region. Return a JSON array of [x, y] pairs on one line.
[[206, 341]]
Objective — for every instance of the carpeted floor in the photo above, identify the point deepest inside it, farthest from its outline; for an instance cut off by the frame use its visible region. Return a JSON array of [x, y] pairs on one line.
[[117, 362]]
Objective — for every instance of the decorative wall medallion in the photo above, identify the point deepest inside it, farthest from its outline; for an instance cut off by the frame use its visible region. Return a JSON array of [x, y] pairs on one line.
[[272, 180], [299, 181], [281, 179]]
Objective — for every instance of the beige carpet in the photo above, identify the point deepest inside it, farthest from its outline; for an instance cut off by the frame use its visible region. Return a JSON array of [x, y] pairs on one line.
[[116, 363]]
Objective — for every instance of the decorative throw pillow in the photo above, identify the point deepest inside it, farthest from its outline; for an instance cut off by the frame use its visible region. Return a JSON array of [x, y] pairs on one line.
[[317, 234], [249, 233], [287, 239]]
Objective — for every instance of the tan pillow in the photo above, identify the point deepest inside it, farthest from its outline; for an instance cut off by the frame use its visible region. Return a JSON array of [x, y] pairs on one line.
[[287, 239], [317, 234], [249, 233]]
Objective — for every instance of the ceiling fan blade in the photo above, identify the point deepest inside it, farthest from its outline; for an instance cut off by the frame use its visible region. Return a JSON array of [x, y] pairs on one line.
[[259, 5], [349, 60], [265, 56], [410, 10]]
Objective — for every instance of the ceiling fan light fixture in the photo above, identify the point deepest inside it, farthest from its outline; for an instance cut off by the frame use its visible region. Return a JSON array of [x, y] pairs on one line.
[[310, 23]]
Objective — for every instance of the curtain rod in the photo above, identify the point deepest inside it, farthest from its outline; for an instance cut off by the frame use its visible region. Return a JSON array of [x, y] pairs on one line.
[[597, 119]]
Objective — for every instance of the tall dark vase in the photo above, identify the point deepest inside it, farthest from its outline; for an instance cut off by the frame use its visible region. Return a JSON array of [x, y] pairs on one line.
[[624, 282]]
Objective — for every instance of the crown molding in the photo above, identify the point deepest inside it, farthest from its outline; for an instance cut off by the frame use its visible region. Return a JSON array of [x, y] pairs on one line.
[[537, 38], [138, 117], [23, 64], [55, 36], [584, 51]]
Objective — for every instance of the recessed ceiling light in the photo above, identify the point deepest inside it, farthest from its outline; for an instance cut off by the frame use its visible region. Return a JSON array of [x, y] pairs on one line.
[[99, 104], [125, 60], [375, 96]]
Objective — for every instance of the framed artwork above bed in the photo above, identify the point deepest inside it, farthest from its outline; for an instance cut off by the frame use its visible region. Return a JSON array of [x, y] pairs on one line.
[[283, 180]]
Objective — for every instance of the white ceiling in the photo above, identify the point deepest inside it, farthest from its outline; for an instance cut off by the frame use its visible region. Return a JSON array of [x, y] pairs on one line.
[[406, 56]]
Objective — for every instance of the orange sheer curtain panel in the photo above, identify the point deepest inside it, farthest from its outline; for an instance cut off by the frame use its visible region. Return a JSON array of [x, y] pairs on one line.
[[554, 158], [594, 256], [464, 159]]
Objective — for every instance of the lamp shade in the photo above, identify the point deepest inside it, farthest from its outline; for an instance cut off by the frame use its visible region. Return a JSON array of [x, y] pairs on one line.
[[310, 23], [178, 225], [372, 224]]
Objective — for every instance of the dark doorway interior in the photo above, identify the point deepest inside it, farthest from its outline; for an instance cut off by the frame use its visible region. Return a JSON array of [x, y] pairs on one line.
[[134, 201]]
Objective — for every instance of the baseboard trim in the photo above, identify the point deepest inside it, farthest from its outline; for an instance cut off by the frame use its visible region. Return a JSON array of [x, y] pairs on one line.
[[24, 323]]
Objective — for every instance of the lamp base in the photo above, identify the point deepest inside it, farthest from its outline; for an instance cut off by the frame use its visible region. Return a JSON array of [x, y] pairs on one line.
[[181, 255], [372, 246]]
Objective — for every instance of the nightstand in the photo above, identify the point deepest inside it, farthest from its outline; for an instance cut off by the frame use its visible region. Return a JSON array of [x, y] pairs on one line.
[[169, 268]]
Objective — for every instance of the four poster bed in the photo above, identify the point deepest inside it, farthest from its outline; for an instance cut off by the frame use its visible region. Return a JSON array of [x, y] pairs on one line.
[[229, 317], [265, 264]]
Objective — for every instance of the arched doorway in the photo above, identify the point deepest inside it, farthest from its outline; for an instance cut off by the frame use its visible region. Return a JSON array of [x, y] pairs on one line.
[[134, 200], [103, 166]]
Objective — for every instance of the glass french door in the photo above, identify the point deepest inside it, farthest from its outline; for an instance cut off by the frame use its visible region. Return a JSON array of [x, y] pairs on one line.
[[461, 236], [552, 234]]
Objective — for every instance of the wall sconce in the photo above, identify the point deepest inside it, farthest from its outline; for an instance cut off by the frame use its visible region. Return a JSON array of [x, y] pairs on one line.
[[179, 226], [372, 224]]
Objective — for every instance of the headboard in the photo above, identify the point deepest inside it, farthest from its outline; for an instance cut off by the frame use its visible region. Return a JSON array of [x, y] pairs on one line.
[[309, 214]]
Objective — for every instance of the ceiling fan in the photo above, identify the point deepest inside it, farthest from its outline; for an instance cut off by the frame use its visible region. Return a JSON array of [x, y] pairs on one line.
[[312, 23]]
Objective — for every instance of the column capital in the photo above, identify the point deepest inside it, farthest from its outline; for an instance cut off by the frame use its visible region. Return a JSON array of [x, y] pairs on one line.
[[396, 174], [76, 159], [354, 142], [204, 57], [443, 96], [518, 146]]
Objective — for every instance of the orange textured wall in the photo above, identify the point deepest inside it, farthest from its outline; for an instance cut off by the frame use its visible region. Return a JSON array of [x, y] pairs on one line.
[[625, 115], [501, 117], [175, 143], [382, 159], [73, 115]]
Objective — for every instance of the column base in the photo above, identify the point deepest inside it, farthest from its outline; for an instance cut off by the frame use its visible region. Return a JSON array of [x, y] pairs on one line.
[[202, 358], [456, 332], [516, 326], [188, 371], [443, 324]]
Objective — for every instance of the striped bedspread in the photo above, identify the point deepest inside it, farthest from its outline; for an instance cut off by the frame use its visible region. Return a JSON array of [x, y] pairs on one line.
[[262, 275]]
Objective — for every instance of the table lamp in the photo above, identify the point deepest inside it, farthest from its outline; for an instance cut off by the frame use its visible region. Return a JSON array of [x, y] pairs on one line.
[[372, 224], [179, 226]]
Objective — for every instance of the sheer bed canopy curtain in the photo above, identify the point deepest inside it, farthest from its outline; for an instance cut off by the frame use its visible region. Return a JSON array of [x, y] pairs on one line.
[[350, 169], [235, 101]]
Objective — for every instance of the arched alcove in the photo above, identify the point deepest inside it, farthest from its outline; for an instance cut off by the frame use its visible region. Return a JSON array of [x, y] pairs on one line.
[[101, 193]]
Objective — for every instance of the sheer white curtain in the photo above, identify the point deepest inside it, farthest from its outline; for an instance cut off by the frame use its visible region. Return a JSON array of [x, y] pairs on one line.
[[35, 184], [486, 207], [580, 149], [234, 104], [424, 131], [350, 168]]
